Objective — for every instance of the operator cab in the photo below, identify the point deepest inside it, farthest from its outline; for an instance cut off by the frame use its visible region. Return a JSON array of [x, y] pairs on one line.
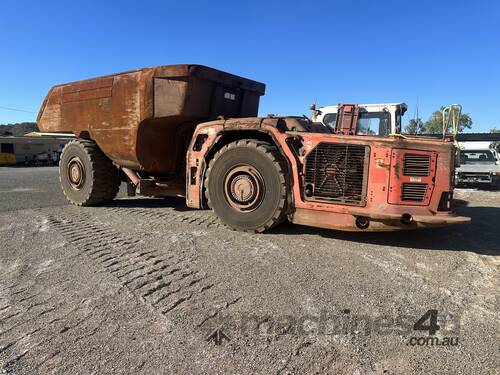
[[373, 119]]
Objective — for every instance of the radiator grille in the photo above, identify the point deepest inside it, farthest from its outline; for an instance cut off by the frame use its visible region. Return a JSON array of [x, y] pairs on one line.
[[416, 165], [337, 172], [413, 192]]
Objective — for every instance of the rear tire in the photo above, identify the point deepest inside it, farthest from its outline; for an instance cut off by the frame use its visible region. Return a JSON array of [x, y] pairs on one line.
[[246, 186], [87, 176]]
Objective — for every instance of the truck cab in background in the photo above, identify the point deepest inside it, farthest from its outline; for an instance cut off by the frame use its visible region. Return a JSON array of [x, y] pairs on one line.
[[373, 119], [479, 165]]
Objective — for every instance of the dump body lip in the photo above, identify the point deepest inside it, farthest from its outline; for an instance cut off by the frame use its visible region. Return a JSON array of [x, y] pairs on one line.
[[192, 70]]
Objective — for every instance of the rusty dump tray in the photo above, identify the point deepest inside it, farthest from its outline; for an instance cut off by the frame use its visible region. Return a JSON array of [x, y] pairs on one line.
[[144, 119]]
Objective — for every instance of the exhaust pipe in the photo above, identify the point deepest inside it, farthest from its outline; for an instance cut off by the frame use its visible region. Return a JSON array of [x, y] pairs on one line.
[[132, 176]]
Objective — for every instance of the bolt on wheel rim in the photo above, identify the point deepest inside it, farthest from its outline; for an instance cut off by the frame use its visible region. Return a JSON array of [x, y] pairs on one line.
[[244, 188]]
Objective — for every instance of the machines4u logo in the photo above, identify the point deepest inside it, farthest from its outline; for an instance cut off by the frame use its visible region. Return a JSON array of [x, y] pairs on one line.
[[429, 323]]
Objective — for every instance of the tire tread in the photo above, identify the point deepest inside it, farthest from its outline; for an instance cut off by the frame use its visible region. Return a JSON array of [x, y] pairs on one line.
[[271, 152], [104, 175]]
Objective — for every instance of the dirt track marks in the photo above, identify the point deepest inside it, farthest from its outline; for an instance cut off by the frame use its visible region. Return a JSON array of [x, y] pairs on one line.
[[163, 279]]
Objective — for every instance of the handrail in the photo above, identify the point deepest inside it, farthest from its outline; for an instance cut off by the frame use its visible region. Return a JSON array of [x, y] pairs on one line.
[[451, 116]]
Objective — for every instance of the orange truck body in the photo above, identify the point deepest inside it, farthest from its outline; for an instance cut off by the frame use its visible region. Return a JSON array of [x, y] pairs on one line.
[[167, 122], [142, 119]]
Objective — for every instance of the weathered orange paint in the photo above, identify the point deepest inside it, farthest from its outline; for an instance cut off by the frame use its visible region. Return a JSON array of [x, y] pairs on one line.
[[381, 206], [144, 119], [149, 120]]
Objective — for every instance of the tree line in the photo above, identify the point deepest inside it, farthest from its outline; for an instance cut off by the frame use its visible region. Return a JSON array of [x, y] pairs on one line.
[[18, 129], [434, 125]]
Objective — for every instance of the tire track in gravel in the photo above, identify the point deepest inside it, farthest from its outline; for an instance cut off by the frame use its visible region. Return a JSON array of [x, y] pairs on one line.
[[164, 280], [167, 215], [168, 281]]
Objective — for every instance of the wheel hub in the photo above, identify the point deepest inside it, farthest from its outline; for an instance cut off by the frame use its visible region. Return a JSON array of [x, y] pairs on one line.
[[76, 173], [244, 188]]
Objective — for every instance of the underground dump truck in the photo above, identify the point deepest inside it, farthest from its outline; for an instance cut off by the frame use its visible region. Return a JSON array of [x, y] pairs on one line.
[[190, 130]]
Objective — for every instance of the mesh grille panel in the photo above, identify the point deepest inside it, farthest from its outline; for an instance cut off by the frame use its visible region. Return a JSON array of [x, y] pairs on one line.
[[338, 172]]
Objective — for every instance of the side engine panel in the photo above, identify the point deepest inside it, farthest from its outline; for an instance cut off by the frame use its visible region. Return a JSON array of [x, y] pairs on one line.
[[337, 172]]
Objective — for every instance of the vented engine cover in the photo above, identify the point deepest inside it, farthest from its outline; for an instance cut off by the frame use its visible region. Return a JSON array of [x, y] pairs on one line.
[[337, 172]]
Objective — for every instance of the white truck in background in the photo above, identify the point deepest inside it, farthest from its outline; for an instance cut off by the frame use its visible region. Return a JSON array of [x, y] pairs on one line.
[[374, 119], [479, 165]]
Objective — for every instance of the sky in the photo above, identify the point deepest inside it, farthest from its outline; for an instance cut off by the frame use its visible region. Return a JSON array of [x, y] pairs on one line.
[[432, 53]]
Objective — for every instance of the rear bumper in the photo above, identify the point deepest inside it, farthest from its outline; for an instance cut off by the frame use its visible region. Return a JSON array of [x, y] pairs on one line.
[[374, 222]]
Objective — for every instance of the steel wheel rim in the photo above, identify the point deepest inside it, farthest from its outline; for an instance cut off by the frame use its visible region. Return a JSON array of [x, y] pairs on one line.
[[76, 173], [244, 188]]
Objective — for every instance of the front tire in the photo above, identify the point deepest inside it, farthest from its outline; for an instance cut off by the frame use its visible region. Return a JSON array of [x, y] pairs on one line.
[[246, 186], [87, 176]]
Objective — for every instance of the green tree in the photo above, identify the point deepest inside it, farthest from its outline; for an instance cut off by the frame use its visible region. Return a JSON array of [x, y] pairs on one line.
[[414, 126], [434, 125]]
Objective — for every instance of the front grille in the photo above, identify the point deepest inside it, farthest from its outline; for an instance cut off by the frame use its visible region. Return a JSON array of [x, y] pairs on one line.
[[416, 165], [413, 192], [337, 172]]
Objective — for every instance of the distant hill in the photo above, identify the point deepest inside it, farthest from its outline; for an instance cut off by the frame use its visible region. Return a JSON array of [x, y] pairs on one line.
[[18, 129]]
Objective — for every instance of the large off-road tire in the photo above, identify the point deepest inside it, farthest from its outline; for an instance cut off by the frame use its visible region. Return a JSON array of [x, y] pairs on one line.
[[246, 185], [88, 177]]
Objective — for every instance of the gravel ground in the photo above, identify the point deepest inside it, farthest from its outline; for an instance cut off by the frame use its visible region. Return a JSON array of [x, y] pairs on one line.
[[147, 286]]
